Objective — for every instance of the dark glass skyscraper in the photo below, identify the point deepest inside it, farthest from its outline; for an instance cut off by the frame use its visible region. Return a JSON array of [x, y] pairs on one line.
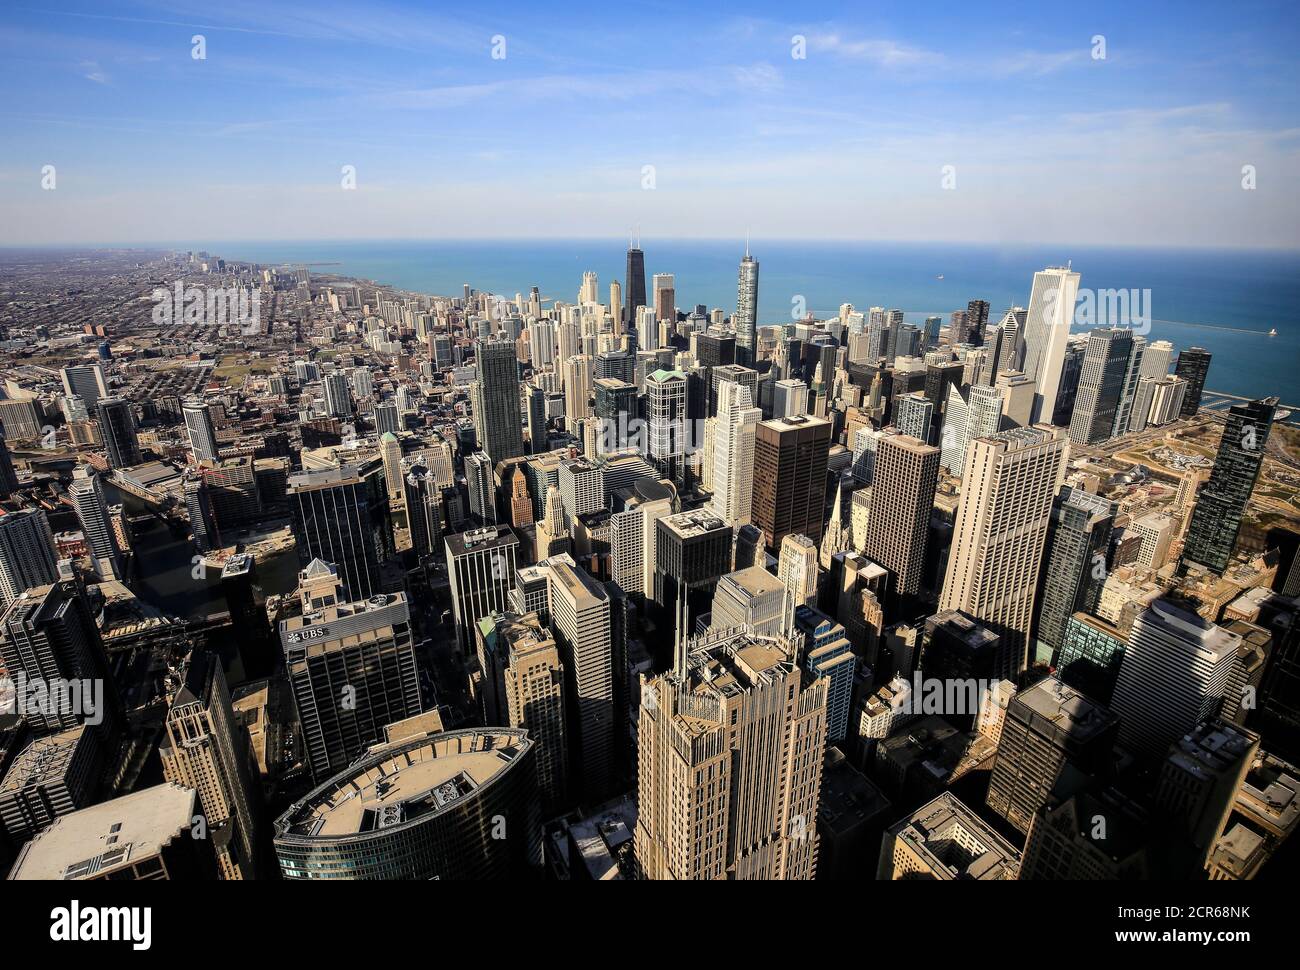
[[341, 515], [634, 285], [1077, 537], [1193, 364], [117, 428], [1216, 519], [496, 400], [1101, 385]]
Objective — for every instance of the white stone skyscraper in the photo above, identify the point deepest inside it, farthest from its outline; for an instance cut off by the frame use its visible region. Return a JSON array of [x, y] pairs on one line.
[[733, 453], [1000, 532], [198, 425], [1047, 330], [27, 557]]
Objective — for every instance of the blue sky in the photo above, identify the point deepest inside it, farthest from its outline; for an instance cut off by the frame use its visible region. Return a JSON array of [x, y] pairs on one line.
[[1046, 143]]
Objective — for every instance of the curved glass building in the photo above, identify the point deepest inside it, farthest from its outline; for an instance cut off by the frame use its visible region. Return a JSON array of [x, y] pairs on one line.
[[455, 805]]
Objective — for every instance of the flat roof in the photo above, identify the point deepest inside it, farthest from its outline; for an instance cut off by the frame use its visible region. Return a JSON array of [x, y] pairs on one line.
[[110, 835]]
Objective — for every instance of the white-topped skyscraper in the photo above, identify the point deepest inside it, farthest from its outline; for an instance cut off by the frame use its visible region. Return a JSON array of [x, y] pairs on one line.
[[91, 503], [1173, 676], [1047, 330], [746, 321]]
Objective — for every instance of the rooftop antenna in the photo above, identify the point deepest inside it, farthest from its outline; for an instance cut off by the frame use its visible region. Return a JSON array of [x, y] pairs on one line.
[[747, 243]]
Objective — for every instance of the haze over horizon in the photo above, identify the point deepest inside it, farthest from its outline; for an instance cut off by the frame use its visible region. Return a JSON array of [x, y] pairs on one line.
[[994, 126]]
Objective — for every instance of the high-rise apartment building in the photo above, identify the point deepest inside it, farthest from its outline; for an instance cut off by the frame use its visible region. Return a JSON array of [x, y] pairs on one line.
[[1216, 519], [1101, 385], [481, 567], [117, 429], [27, 557], [746, 322], [198, 425], [733, 454], [1193, 366], [91, 504], [1074, 565]]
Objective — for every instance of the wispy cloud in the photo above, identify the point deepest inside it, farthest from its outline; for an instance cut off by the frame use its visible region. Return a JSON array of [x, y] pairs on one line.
[[91, 71], [881, 52]]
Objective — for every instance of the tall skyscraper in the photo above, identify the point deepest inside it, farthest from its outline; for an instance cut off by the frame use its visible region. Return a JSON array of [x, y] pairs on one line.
[[1047, 330], [1001, 528], [1193, 366], [797, 571], [1216, 519], [206, 749], [353, 671], [790, 456], [733, 454], [1101, 385], [746, 322], [481, 568], [1132, 375], [730, 754], [27, 558], [1074, 565], [1172, 677], [535, 699], [117, 428], [497, 417], [88, 498], [198, 425], [634, 282], [341, 515], [902, 495], [580, 618], [692, 552]]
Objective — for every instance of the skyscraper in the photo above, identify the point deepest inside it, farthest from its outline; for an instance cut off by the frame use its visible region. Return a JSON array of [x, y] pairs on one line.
[[481, 568], [667, 423], [338, 396], [730, 754], [634, 283], [497, 417], [1048, 728], [198, 425], [580, 618], [1216, 519], [535, 699], [341, 515], [353, 670], [665, 295], [1101, 385], [27, 555], [88, 498], [1047, 330], [1074, 565], [746, 322], [902, 494], [733, 454], [117, 428], [790, 457], [1172, 677], [85, 381], [206, 749], [1193, 366], [1001, 528]]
